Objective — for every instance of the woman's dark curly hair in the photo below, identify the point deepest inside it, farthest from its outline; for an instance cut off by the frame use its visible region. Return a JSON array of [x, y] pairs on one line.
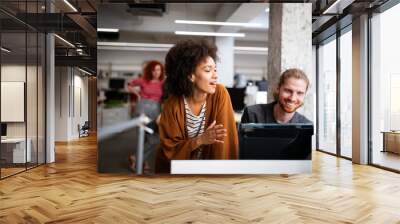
[[182, 60]]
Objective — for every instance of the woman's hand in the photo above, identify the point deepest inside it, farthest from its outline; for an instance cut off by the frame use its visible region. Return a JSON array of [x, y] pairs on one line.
[[134, 90], [215, 133]]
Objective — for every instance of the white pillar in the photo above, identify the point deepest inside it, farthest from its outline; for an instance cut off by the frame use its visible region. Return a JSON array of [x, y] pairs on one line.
[[63, 102], [290, 46], [225, 66], [360, 90], [50, 98]]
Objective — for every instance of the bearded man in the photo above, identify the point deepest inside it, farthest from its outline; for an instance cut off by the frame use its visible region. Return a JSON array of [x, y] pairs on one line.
[[289, 96]]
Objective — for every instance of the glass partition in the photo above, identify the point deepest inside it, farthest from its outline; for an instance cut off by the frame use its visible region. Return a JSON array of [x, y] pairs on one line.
[[13, 94], [327, 97], [41, 86], [31, 98], [22, 89]]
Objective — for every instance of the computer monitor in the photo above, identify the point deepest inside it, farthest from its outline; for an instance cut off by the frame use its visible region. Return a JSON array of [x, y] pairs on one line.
[[3, 129], [262, 85], [275, 141], [116, 83], [237, 98]]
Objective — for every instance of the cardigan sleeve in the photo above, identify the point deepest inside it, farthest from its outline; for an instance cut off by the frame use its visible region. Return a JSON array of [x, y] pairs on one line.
[[225, 116], [172, 136]]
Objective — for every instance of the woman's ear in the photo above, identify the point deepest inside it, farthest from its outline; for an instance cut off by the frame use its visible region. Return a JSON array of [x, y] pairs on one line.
[[192, 77]]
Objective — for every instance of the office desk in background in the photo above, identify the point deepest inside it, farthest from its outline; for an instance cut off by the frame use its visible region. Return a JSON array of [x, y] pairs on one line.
[[13, 150], [391, 141]]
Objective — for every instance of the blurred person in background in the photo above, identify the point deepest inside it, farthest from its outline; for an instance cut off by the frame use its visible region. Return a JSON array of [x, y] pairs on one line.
[[239, 81], [151, 89]]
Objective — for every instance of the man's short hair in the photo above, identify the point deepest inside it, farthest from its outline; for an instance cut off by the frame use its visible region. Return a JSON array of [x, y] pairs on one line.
[[290, 73]]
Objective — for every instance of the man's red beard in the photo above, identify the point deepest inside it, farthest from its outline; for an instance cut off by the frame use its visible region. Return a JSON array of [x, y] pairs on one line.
[[286, 110]]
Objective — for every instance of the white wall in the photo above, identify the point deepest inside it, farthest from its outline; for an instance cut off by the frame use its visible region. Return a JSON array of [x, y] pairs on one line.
[[33, 126], [14, 73], [61, 103], [129, 61], [254, 67], [225, 65], [71, 93], [80, 94]]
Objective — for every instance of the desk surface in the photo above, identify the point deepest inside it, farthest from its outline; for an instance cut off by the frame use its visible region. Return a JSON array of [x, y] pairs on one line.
[[241, 166], [391, 132]]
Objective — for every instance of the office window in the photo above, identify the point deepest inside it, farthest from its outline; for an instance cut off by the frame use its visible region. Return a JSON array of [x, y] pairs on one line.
[[327, 97], [346, 94], [385, 85]]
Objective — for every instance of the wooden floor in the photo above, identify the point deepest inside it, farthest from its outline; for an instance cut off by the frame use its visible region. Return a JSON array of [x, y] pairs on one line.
[[10, 171], [71, 191], [387, 159]]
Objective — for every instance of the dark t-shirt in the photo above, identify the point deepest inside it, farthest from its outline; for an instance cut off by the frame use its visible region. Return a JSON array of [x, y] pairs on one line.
[[264, 113]]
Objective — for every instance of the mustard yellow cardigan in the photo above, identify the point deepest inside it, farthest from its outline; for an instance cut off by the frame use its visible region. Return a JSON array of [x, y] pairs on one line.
[[175, 144]]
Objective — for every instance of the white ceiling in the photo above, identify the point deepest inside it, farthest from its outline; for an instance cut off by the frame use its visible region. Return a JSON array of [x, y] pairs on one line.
[[118, 16], [160, 29]]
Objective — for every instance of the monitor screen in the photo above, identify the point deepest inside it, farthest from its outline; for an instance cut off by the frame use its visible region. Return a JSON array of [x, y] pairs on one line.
[[275, 141], [117, 83], [3, 129], [262, 85], [237, 98]]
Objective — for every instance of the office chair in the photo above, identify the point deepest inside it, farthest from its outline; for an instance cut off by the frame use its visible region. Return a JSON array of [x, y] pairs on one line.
[[84, 130]]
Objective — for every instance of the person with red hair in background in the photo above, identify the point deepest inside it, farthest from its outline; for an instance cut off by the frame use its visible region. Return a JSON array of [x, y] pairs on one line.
[[151, 89]]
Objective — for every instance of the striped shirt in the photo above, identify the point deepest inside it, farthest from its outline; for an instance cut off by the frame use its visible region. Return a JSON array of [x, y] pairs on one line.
[[193, 122]]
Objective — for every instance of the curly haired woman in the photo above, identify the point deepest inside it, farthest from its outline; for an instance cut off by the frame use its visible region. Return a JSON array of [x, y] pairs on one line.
[[197, 119]]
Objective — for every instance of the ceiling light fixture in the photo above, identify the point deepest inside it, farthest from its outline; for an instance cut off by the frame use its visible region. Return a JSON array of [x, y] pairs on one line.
[[328, 10], [133, 46], [79, 51], [210, 34], [121, 46], [109, 30], [212, 23], [84, 71], [251, 48], [5, 49], [124, 44], [64, 40], [115, 48], [70, 5]]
